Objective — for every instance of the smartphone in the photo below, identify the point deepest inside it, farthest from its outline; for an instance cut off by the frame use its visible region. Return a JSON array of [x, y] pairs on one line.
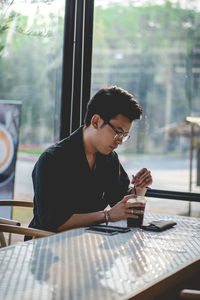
[[112, 228], [117, 228], [104, 231]]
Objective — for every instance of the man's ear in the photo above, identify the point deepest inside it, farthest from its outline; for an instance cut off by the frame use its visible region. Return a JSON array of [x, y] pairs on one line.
[[95, 121]]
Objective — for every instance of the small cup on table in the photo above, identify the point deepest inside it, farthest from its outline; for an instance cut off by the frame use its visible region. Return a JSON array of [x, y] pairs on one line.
[[139, 221]]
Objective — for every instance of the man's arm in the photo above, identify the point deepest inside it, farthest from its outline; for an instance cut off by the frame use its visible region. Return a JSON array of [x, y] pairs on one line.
[[118, 212], [83, 220]]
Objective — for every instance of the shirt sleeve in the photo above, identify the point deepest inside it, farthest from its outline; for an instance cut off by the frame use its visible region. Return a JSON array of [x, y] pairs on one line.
[[49, 206]]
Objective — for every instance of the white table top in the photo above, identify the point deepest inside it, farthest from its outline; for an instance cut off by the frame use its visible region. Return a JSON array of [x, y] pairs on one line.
[[81, 265]]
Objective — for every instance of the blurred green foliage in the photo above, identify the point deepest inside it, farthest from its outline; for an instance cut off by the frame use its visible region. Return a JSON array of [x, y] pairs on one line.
[[154, 52], [151, 50]]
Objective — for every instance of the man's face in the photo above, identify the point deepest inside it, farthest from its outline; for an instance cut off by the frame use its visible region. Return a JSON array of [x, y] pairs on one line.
[[110, 135]]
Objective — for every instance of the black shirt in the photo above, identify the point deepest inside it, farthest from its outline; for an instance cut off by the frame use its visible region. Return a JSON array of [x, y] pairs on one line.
[[65, 185]]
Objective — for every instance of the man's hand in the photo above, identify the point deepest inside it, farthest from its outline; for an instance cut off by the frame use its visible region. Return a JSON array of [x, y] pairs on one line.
[[141, 180], [121, 210]]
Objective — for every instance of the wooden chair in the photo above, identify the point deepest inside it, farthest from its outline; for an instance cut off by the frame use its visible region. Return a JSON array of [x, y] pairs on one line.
[[12, 226]]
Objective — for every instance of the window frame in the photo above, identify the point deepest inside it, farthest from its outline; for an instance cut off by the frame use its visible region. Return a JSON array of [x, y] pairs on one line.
[[77, 63]]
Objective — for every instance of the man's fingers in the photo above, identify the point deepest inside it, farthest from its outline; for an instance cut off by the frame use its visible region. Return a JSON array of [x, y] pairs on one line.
[[144, 175], [144, 179], [140, 173]]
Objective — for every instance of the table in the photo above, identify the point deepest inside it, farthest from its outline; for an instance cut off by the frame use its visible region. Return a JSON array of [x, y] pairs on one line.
[[81, 265]]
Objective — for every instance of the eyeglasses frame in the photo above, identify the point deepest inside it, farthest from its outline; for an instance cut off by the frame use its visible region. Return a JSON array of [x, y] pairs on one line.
[[119, 135]]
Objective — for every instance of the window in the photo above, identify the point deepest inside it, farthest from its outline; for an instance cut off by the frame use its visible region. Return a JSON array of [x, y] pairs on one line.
[[151, 48], [31, 47]]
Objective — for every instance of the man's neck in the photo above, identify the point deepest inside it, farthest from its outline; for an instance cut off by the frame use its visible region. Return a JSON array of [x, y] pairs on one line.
[[90, 150]]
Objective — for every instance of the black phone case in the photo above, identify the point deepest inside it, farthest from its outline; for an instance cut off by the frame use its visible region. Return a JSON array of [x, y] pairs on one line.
[[160, 225], [109, 227]]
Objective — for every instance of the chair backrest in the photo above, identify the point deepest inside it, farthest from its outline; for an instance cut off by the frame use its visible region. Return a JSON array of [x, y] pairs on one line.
[[12, 226]]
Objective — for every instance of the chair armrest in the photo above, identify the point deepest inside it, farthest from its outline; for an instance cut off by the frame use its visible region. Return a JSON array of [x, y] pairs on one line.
[[25, 230], [16, 203], [10, 222], [190, 294]]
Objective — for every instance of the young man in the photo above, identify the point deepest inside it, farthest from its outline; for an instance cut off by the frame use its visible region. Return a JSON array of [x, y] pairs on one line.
[[75, 179]]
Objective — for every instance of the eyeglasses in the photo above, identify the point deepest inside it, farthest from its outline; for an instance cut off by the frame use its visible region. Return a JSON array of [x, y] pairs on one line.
[[119, 135]]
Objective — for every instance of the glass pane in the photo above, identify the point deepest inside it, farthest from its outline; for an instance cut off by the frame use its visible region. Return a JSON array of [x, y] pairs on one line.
[[152, 49], [31, 45]]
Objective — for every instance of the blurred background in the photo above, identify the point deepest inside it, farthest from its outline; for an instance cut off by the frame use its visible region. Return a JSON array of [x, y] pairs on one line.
[[150, 48]]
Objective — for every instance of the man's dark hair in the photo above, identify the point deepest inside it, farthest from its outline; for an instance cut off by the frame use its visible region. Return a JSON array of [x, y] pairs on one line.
[[110, 102]]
